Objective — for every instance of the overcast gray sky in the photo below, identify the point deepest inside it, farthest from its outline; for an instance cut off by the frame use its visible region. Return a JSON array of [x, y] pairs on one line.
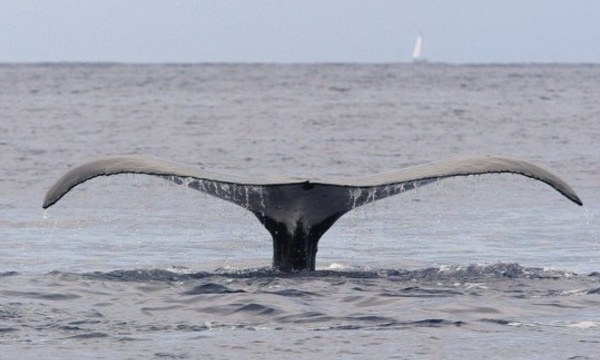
[[455, 31]]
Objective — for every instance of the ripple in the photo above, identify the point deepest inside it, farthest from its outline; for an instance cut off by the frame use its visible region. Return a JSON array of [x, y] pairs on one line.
[[40, 295], [211, 288], [8, 330], [498, 321], [8, 273], [292, 293], [256, 309], [416, 291], [92, 335], [143, 275], [435, 323]]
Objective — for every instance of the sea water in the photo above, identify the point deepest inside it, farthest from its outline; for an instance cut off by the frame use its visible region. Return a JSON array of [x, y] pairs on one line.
[[135, 267]]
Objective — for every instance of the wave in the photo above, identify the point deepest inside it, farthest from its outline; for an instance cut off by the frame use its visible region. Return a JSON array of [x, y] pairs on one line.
[[446, 272]]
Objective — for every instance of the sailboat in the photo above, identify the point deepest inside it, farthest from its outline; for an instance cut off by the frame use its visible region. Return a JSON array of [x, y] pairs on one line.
[[417, 55]]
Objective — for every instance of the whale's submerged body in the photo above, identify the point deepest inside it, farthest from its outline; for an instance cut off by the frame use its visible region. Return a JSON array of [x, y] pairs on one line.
[[296, 211]]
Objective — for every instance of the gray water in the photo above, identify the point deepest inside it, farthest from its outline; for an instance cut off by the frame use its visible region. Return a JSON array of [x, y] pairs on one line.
[[133, 267]]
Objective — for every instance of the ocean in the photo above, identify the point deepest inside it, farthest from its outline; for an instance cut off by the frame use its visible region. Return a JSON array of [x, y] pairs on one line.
[[135, 267]]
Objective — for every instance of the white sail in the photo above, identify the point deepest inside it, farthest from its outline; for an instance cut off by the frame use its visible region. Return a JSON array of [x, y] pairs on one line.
[[417, 54], [418, 48]]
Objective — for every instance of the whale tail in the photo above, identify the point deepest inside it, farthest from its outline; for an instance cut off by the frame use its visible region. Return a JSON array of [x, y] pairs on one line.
[[297, 211]]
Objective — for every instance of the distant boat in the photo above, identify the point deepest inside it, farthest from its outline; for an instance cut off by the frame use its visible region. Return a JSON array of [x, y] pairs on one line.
[[417, 54]]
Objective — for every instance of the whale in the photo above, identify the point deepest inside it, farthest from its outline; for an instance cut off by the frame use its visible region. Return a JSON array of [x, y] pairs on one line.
[[297, 211]]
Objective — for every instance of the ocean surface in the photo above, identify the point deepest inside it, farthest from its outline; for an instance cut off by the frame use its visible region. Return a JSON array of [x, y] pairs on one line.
[[134, 267]]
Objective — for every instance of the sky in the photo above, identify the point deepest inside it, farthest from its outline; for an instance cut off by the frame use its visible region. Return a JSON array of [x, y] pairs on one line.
[[299, 31]]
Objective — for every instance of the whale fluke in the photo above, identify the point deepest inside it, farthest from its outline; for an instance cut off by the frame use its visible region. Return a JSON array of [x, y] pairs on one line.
[[298, 211]]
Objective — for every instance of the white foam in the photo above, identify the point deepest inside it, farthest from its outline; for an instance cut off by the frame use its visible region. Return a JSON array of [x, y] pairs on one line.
[[583, 325]]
